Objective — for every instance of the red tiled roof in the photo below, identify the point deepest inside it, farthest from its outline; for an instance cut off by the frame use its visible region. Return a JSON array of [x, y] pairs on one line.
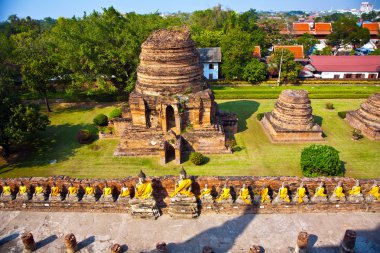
[[322, 28], [372, 27], [346, 63], [301, 28], [297, 50], [257, 52]]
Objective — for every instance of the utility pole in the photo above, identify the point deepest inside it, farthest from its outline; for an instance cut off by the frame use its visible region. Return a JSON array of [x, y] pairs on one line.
[[279, 72]]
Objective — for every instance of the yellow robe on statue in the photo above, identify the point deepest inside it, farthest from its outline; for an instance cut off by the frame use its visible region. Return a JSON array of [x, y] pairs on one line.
[[107, 191], [355, 190], [39, 190], [284, 194], [244, 195], [225, 194], [22, 190], [73, 190], [6, 190], [264, 195], [205, 192], [125, 192], [143, 190], [89, 190], [320, 192], [54, 191], [301, 194], [182, 188], [339, 192], [375, 192]]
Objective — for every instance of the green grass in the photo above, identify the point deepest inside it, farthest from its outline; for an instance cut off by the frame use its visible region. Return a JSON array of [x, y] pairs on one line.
[[324, 92], [256, 155]]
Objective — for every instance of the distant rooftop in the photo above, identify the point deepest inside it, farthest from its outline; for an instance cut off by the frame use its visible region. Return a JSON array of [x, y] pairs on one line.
[[210, 54], [297, 50], [346, 63]]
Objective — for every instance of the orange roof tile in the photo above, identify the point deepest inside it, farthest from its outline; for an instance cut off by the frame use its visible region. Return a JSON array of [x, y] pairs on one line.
[[372, 27], [257, 52], [301, 28], [297, 50], [323, 28]]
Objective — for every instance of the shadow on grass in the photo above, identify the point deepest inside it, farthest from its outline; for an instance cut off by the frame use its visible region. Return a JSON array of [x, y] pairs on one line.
[[57, 143], [244, 109]]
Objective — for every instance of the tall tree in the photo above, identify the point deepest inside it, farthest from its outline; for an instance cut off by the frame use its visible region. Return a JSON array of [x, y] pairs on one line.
[[290, 69], [308, 41]]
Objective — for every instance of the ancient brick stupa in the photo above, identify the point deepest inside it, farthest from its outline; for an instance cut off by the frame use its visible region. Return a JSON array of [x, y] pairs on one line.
[[367, 117], [172, 110], [291, 119]]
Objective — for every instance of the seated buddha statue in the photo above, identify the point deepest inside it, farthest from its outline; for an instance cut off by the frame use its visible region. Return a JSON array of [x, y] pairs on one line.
[[55, 194], [319, 195], [373, 195], [6, 194], [182, 189], [143, 190], [264, 194], [282, 196], [300, 196], [244, 196], [72, 194], [338, 195], [206, 195], [225, 195], [23, 193], [125, 194], [89, 194], [107, 194], [39, 193], [355, 195]]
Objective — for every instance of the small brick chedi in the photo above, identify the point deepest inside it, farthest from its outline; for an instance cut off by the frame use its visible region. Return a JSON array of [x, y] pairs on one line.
[[367, 117], [291, 119], [172, 110]]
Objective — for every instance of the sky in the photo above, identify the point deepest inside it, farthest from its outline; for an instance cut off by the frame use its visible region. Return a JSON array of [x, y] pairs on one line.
[[39, 9]]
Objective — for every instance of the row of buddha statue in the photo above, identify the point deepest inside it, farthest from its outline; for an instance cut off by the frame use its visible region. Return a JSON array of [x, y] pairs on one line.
[[183, 196]]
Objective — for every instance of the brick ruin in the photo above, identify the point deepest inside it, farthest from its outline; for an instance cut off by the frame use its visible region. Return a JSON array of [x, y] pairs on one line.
[[172, 110], [367, 117], [291, 119], [163, 186]]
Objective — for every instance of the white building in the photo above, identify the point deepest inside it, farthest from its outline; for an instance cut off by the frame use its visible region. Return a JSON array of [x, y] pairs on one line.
[[210, 57], [366, 7]]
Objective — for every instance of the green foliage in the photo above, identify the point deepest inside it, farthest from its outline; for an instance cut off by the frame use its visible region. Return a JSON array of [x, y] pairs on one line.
[[375, 52], [260, 116], [101, 120], [320, 160], [196, 158], [84, 136], [255, 71], [342, 114], [289, 68], [308, 41], [115, 113], [369, 16], [329, 106], [208, 38]]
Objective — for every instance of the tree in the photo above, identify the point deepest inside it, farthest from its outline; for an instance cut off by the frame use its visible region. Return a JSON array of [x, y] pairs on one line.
[[208, 38], [375, 52], [346, 31], [308, 41], [320, 160], [290, 69], [255, 71], [369, 16]]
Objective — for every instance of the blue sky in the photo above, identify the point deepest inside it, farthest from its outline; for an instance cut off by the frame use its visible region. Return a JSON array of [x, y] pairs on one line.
[[38, 9]]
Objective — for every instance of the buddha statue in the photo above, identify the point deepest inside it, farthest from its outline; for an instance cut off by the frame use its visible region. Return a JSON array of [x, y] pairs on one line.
[[39, 193], [338, 195], [72, 194], [206, 196], [183, 203], [89, 194], [23, 193], [106, 194], [355, 195], [225, 195], [373, 195], [143, 204], [55, 194], [282, 196], [300, 196], [6, 194], [264, 194], [244, 196], [319, 195], [125, 194]]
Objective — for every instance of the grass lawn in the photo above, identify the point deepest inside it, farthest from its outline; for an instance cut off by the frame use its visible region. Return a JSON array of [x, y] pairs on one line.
[[256, 155]]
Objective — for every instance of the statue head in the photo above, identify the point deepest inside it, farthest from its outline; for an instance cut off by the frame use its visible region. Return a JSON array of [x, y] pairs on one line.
[[5, 184], [301, 184], [125, 185], [340, 183], [206, 185], [357, 183], [54, 184], [38, 184], [182, 173], [22, 183], [88, 185], [141, 176], [243, 186], [106, 185], [374, 183], [321, 184], [264, 185], [71, 185], [283, 185]]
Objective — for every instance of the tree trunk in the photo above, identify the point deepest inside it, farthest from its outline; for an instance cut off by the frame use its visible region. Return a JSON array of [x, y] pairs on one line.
[[47, 103], [7, 148]]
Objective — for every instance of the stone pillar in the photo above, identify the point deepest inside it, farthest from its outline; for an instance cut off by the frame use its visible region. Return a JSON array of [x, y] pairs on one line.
[[28, 241], [302, 242], [71, 243], [161, 247], [116, 248], [348, 243], [254, 249], [207, 249]]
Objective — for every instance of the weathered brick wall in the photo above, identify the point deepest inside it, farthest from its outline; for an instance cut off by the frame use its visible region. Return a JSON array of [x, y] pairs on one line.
[[164, 185]]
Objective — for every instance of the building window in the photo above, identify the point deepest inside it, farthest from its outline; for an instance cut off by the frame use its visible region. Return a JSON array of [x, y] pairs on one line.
[[211, 66], [210, 76], [359, 76], [347, 75], [336, 76], [372, 76]]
